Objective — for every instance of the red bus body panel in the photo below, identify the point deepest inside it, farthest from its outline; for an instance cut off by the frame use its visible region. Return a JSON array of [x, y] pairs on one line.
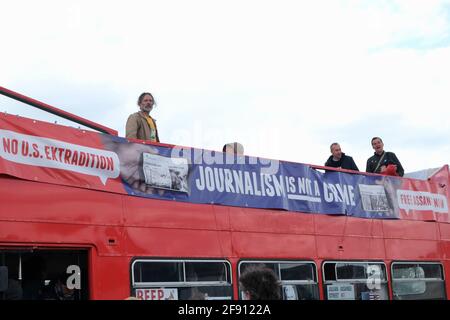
[[116, 228]]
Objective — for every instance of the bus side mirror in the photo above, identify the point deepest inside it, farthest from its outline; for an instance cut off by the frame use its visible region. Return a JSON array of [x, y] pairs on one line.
[[3, 278]]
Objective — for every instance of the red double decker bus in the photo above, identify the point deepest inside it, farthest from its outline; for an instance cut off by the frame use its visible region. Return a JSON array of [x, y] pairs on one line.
[[113, 245]]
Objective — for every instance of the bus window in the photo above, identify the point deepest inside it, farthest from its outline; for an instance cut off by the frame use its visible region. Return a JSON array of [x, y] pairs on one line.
[[355, 280], [418, 281], [298, 278], [200, 272], [181, 279], [45, 274]]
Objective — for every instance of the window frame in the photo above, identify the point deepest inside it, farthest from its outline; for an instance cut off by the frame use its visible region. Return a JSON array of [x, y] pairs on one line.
[[417, 263], [54, 253], [325, 283], [362, 262], [409, 262], [182, 284], [315, 274]]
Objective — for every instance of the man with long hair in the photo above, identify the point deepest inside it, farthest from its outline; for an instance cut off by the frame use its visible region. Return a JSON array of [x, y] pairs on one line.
[[140, 125]]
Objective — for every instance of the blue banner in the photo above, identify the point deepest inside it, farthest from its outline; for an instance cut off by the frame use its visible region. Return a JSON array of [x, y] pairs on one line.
[[209, 177]]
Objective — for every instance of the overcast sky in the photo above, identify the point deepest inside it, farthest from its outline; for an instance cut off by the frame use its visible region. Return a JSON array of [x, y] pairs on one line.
[[284, 78]]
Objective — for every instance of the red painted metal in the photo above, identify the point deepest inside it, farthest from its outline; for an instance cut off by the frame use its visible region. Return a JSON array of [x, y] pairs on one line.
[[46, 215]]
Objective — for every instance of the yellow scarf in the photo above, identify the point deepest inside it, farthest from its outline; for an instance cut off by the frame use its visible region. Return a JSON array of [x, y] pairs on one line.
[[152, 125]]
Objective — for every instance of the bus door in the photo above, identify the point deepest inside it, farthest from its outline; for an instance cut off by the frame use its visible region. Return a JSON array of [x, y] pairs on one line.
[[43, 273]]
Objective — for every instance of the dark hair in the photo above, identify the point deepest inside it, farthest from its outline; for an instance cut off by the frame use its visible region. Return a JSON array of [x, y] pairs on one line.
[[371, 141], [236, 146], [63, 276], [261, 283], [141, 97], [333, 144]]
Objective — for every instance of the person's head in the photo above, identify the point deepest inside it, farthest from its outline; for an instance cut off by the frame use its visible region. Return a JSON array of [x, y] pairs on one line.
[[335, 149], [61, 287], [377, 145], [234, 148], [146, 102], [260, 283]]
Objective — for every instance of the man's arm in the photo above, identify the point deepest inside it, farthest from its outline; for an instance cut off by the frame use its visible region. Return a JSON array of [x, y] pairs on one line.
[[156, 129], [353, 164], [368, 166], [400, 170], [131, 127]]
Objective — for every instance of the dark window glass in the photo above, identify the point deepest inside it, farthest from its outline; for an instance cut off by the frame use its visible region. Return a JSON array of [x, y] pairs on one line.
[[406, 271], [200, 271], [158, 272], [297, 271], [417, 271], [273, 266], [350, 271], [418, 290], [45, 274], [432, 271]]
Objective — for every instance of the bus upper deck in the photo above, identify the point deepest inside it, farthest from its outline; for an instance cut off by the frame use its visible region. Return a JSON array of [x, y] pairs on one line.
[[160, 221]]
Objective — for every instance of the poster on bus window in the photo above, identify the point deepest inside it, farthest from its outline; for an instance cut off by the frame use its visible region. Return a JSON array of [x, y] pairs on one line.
[[343, 291], [50, 153], [157, 294]]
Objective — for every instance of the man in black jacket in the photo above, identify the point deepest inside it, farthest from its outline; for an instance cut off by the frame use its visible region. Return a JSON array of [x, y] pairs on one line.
[[338, 159], [380, 161]]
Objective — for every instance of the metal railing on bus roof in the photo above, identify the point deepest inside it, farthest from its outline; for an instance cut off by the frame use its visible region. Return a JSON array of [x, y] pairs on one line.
[[61, 113]]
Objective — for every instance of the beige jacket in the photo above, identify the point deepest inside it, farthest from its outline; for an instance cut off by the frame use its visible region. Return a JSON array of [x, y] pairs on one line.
[[137, 127]]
